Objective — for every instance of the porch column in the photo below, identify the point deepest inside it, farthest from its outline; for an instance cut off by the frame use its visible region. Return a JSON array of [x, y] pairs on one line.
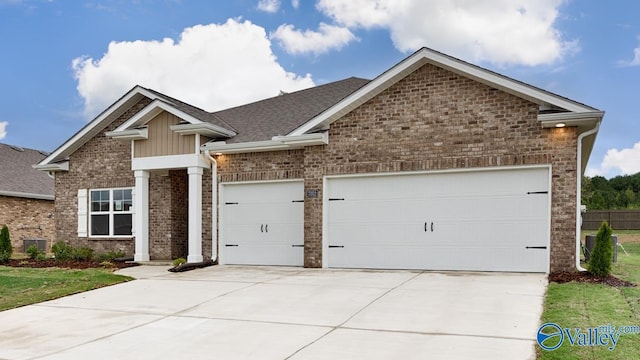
[[141, 214], [195, 214]]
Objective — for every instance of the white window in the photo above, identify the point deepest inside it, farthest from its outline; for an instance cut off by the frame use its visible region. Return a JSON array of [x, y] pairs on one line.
[[110, 212]]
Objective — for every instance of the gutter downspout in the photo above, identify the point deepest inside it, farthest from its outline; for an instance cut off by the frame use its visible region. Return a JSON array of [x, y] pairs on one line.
[[214, 205], [579, 192]]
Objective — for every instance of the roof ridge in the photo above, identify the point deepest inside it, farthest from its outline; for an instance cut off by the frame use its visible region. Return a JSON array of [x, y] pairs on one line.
[[311, 88]]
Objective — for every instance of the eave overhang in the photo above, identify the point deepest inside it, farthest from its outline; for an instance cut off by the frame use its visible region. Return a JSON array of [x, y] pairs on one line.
[[277, 143]]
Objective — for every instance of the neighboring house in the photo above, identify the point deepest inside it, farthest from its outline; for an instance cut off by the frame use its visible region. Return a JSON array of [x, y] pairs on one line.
[[434, 164], [26, 197]]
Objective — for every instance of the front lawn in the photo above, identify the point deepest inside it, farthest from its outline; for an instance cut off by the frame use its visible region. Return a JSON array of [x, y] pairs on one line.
[[584, 305], [24, 286]]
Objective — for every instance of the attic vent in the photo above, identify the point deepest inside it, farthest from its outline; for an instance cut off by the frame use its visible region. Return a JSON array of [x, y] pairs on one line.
[[16, 148], [283, 93], [45, 153]]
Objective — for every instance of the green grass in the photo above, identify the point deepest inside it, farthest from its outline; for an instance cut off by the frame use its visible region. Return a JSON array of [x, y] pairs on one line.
[[580, 305], [24, 286]]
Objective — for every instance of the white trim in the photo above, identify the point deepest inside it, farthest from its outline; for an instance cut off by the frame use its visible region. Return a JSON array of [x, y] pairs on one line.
[[424, 56], [442, 171], [158, 106], [571, 119], [276, 143], [133, 96], [52, 167], [131, 134], [206, 129], [168, 162], [27, 195], [111, 214], [83, 213]]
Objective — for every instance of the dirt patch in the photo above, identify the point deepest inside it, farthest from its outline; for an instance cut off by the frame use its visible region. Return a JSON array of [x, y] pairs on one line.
[[70, 264], [565, 277], [629, 239]]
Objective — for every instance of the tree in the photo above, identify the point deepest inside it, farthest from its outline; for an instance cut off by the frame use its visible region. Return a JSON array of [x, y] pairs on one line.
[[6, 249], [602, 255]]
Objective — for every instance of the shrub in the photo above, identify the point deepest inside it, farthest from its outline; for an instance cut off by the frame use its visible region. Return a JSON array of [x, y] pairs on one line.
[[82, 254], [110, 256], [6, 249], [602, 255], [35, 253], [62, 251], [179, 261]]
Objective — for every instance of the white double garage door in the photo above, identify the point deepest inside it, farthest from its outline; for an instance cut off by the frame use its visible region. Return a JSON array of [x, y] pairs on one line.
[[488, 220]]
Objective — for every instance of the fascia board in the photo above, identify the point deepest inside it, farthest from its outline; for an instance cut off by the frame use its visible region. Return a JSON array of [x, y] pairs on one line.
[[204, 128], [277, 143], [152, 110], [72, 144], [133, 134], [59, 166], [27, 195]]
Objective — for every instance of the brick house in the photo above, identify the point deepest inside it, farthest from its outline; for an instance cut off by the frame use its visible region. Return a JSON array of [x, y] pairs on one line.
[[26, 197], [434, 164]]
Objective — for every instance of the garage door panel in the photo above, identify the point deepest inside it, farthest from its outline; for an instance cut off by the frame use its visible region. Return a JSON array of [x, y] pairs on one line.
[[263, 223], [481, 220]]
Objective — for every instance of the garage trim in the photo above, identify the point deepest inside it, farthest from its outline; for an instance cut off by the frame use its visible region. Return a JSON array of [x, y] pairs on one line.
[[325, 198]]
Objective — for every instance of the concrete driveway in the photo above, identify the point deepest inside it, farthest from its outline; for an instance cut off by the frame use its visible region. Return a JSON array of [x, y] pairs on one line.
[[231, 312]]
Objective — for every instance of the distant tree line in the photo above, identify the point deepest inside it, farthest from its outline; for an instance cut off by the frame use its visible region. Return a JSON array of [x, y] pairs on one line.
[[620, 192]]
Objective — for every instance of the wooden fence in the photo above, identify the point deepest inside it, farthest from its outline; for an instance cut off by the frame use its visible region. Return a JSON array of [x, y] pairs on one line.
[[618, 219]]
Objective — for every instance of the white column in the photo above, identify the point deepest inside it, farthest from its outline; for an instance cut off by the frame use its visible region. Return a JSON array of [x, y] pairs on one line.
[[141, 208], [195, 214]]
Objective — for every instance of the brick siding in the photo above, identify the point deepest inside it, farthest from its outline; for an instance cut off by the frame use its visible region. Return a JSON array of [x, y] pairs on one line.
[[27, 219]]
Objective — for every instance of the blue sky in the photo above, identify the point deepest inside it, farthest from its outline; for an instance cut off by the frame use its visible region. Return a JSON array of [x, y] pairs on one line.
[[62, 62]]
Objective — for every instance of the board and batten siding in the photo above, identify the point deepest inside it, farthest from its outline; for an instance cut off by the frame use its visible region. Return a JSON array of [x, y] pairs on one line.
[[162, 141]]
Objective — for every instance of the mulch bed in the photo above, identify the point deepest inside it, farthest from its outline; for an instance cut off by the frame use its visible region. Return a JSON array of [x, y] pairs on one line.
[[565, 277], [70, 264]]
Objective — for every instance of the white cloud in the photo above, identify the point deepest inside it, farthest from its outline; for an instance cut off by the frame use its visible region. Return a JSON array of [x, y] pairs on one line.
[[625, 162], [636, 57], [295, 3], [328, 37], [498, 31], [3, 129], [270, 6], [211, 66]]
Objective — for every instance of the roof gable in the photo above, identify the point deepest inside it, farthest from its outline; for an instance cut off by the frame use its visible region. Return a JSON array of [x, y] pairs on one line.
[[545, 99]]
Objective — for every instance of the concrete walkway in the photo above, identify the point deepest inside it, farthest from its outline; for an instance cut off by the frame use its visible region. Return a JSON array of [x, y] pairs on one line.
[[232, 312]]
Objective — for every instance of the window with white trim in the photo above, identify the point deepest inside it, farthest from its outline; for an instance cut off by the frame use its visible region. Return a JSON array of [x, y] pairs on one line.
[[110, 212]]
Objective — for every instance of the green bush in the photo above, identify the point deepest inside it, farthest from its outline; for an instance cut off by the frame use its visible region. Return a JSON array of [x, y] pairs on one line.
[[179, 261], [6, 249], [65, 252], [34, 253], [110, 256], [602, 255], [62, 251], [82, 254]]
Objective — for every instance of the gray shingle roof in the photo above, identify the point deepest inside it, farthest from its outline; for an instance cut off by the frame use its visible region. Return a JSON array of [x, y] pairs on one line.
[[280, 115], [19, 178], [193, 110]]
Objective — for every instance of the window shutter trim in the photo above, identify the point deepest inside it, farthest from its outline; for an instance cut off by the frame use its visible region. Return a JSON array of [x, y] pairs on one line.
[[83, 219]]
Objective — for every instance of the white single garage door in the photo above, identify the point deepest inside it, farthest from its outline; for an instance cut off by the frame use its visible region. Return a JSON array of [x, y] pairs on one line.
[[262, 223], [491, 220]]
